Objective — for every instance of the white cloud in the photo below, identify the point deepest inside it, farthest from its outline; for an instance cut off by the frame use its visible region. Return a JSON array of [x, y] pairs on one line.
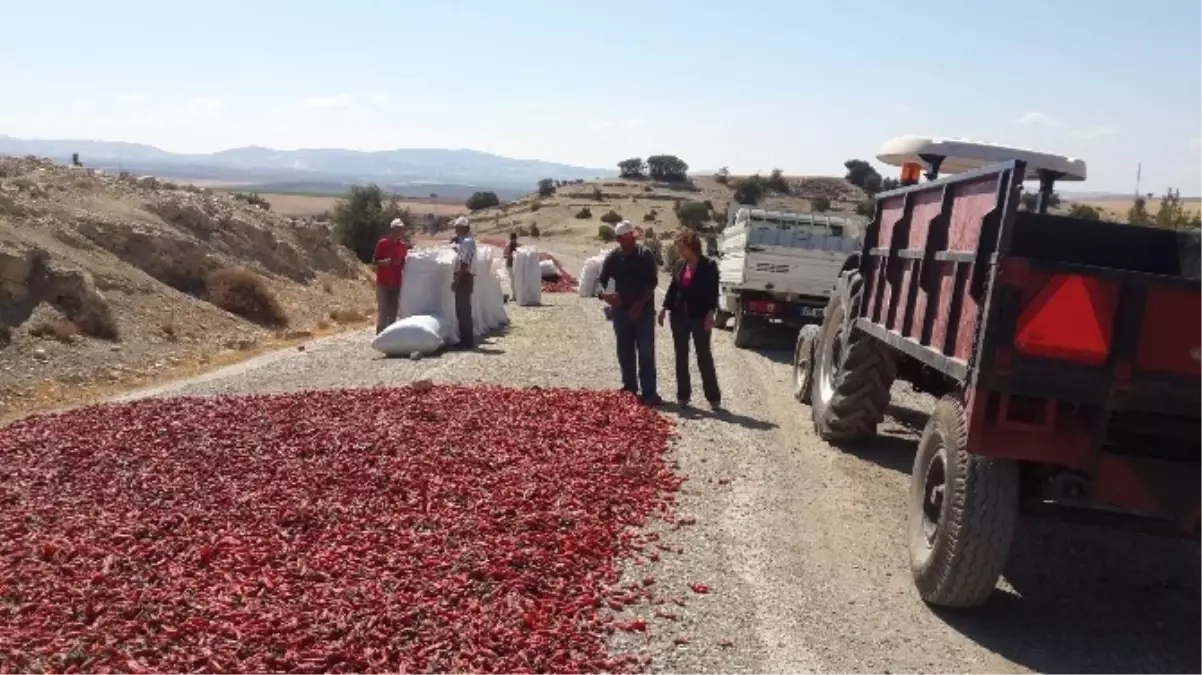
[[1038, 118], [336, 101], [1093, 132]]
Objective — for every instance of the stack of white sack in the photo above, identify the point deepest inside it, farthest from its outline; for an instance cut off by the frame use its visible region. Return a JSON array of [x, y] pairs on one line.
[[548, 269], [527, 277], [590, 274], [427, 302]]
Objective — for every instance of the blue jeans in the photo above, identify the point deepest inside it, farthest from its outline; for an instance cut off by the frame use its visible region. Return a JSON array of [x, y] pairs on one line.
[[636, 344]]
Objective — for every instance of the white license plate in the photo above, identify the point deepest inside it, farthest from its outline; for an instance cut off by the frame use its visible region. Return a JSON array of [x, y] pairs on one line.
[[811, 312]]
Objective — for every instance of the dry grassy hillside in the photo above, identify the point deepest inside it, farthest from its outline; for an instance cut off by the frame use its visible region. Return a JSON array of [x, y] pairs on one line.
[[647, 204], [107, 281], [315, 205]]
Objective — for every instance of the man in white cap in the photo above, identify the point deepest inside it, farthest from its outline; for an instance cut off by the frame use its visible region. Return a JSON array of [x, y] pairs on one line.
[[632, 268], [463, 280], [389, 261]]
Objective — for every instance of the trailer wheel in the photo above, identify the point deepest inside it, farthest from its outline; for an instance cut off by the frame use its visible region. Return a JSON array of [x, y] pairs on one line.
[[803, 362], [963, 509], [742, 330], [721, 319], [853, 371]]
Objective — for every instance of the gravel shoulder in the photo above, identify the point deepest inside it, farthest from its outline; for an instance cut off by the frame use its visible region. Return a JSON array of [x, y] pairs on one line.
[[802, 546]]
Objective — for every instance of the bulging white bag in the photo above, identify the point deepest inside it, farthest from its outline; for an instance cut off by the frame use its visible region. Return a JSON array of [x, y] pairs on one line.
[[421, 333], [527, 277], [548, 269], [590, 275]]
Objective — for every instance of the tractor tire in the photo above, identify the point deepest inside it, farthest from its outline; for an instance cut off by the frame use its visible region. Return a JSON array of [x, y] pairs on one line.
[[721, 319], [803, 362], [741, 330], [853, 370], [963, 510]]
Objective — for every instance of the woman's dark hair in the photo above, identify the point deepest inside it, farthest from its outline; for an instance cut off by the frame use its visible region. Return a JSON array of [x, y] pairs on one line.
[[513, 236], [690, 240]]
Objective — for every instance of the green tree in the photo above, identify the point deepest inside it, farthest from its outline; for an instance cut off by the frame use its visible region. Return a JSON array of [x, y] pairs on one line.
[[667, 168], [362, 216], [723, 175], [820, 203], [482, 200], [692, 214], [749, 191], [1172, 214], [546, 187], [632, 168], [75, 159], [1138, 214], [1084, 212], [862, 175], [866, 208]]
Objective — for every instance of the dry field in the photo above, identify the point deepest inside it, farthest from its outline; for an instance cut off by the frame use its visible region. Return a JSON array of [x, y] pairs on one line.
[[1118, 208], [299, 206]]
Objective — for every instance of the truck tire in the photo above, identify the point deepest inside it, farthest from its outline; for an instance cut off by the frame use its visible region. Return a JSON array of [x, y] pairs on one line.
[[803, 362], [742, 330], [963, 510], [721, 319], [853, 370]]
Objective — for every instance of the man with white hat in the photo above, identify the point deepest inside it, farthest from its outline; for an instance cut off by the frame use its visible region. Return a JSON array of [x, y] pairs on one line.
[[463, 280], [389, 261], [632, 268]]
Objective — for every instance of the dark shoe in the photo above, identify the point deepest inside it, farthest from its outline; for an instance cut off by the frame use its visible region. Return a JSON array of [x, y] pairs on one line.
[[717, 406], [653, 400], [682, 402]]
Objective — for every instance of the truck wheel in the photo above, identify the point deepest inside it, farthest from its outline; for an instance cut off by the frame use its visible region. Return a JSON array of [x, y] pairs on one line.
[[742, 330], [963, 509], [853, 371], [721, 319], [803, 362]]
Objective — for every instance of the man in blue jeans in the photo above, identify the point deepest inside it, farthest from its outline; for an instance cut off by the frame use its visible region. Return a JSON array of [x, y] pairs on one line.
[[632, 268]]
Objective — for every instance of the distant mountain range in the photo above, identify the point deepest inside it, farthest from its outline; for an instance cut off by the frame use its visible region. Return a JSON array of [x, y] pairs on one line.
[[412, 172]]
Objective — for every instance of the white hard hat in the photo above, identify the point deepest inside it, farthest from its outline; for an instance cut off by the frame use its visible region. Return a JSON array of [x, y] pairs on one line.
[[624, 228]]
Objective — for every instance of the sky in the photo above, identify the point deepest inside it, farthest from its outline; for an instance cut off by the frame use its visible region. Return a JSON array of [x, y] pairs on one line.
[[799, 85]]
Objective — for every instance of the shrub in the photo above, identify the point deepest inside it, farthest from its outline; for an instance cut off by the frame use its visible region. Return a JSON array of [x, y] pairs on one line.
[[650, 216], [346, 316], [821, 203], [723, 176], [692, 214], [862, 175], [612, 217], [534, 231], [535, 206], [362, 217], [95, 320], [749, 191], [866, 208], [777, 182], [584, 213], [6, 335], [649, 234], [242, 292], [605, 232], [598, 195], [253, 199], [482, 200], [670, 256], [1084, 211], [655, 246], [648, 188], [546, 187], [56, 329]]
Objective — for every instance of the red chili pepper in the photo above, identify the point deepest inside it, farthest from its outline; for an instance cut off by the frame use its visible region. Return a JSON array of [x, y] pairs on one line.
[[700, 588], [364, 530]]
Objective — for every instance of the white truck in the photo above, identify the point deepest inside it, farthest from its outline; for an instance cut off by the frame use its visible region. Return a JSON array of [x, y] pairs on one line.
[[777, 267]]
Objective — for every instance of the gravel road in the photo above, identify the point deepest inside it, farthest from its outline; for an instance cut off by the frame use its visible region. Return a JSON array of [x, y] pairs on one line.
[[803, 546]]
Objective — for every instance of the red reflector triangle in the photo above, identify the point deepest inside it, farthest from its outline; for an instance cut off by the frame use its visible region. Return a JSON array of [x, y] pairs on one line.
[[1070, 318]]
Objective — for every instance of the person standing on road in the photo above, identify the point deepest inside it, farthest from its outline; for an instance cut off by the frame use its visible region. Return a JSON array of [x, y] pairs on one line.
[[632, 268], [690, 303], [463, 280], [510, 249], [389, 261]]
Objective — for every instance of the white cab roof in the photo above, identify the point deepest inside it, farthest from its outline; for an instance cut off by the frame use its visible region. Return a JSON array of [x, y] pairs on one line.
[[965, 155]]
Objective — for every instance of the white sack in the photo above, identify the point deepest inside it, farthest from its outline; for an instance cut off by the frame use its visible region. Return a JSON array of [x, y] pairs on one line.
[[590, 274], [421, 333], [527, 276], [548, 269], [426, 290]]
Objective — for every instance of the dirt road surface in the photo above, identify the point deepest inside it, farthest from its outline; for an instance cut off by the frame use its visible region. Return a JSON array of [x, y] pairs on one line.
[[802, 546]]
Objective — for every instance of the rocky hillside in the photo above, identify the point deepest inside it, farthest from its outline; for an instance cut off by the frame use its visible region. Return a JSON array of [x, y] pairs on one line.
[[651, 204], [108, 279]]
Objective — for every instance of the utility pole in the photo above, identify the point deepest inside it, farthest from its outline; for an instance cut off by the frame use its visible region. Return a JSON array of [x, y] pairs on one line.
[[1139, 169]]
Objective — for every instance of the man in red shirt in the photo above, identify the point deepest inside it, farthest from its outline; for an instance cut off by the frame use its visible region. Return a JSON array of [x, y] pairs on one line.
[[389, 261]]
